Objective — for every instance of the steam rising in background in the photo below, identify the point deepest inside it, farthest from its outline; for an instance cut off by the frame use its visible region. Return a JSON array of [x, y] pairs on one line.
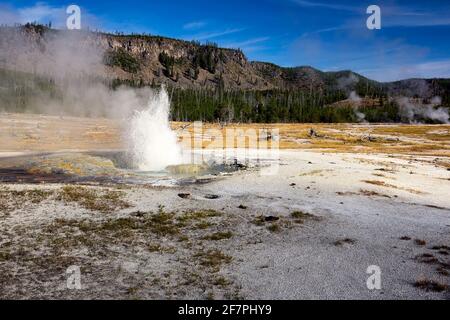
[[344, 84], [354, 97], [350, 81], [63, 71], [418, 112], [74, 66], [410, 110]]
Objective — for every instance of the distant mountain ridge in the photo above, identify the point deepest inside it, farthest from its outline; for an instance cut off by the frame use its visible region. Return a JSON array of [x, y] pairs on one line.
[[154, 60]]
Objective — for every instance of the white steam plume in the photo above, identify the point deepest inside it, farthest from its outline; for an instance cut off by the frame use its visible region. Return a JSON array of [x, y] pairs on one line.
[[354, 97], [416, 112], [153, 145], [345, 83], [70, 64]]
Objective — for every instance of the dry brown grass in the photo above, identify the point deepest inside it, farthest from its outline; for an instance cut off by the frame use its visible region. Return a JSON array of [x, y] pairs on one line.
[[363, 192], [430, 285], [213, 259], [274, 227], [353, 138], [218, 236], [388, 185], [101, 134]]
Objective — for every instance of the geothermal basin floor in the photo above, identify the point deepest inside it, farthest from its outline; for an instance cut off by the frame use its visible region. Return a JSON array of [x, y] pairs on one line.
[[310, 231]]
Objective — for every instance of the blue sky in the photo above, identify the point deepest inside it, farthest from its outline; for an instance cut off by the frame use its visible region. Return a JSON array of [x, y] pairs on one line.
[[329, 35]]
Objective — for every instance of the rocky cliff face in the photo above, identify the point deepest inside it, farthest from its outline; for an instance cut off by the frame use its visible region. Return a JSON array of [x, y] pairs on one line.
[[182, 64], [191, 65], [148, 60]]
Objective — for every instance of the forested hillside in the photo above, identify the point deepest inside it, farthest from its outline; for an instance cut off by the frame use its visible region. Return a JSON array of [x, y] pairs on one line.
[[205, 82]]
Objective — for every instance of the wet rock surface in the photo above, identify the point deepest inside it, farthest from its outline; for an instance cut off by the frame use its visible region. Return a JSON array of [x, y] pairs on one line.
[[104, 167], [72, 164]]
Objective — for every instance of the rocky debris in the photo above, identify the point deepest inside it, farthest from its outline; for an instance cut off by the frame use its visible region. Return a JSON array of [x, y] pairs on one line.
[[420, 242], [212, 196], [238, 166], [138, 214], [271, 219], [369, 139], [340, 243], [314, 134]]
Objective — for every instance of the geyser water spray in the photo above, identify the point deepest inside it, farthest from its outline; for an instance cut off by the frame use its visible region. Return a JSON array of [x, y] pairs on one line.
[[153, 144]]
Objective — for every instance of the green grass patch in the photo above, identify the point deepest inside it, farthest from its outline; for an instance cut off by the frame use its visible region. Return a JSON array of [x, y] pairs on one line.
[[103, 201], [213, 259], [275, 228]]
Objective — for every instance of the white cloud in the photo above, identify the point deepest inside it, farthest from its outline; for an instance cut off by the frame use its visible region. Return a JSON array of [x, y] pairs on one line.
[[194, 25], [408, 16], [330, 6], [42, 13], [434, 69], [246, 43], [248, 46], [214, 34], [411, 21], [325, 30], [393, 16]]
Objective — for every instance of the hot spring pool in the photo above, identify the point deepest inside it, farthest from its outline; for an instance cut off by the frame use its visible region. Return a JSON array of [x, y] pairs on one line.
[[113, 167]]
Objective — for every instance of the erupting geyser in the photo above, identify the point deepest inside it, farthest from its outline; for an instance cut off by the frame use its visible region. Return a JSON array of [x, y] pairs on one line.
[[153, 144]]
